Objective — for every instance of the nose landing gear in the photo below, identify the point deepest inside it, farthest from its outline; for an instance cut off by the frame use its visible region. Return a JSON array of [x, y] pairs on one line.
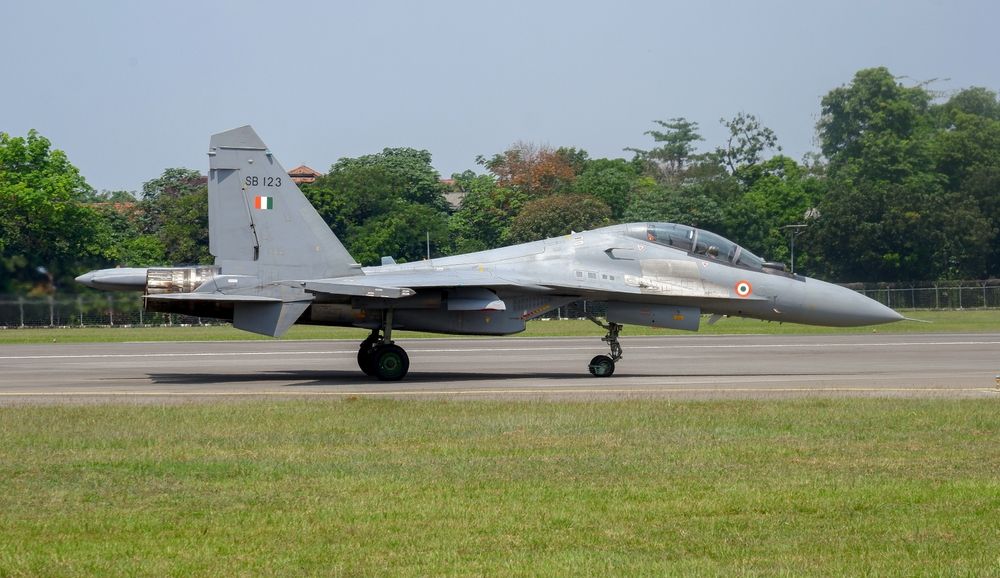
[[380, 357], [604, 365]]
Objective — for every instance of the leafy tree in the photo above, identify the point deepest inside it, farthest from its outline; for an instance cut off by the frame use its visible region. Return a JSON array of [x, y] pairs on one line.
[[576, 158], [106, 196], [174, 182], [127, 244], [967, 152], [143, 251], [558, 215], [45, 224], [400, 233], [671, 159], [874, 128], [358, 189], [781, 193], [408, 174], [983, 185], [913, 230], [174, 215], [534, 170], [484, 218], [969, 136], [747, 140], [698, 197], [692, 205], [470, 181], [610, 180], [976, 101], [888, 214], [184, 232]]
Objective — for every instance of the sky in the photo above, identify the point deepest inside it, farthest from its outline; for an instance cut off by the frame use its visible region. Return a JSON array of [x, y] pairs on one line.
[[131, 88]]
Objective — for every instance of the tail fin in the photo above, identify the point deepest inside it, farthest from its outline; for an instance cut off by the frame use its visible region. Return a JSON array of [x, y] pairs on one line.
[[259, 222]]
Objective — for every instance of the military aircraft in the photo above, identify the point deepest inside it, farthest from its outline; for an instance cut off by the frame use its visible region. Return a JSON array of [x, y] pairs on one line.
[[277, 263]]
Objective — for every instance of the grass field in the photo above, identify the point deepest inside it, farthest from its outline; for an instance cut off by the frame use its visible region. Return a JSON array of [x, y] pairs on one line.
[[817, 487], [940, 321]]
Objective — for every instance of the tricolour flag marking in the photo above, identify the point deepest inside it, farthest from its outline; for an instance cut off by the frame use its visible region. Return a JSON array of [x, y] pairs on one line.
[[264, 203]]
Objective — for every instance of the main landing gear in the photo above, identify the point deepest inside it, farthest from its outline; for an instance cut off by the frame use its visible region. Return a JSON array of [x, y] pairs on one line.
[[380, 357], [604, 365]]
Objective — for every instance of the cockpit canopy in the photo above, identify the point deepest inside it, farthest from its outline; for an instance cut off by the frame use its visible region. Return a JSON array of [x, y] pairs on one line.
[[700, 242]]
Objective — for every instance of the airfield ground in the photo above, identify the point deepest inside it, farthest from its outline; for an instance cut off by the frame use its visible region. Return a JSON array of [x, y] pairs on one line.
[[456, 484], [403, 488]]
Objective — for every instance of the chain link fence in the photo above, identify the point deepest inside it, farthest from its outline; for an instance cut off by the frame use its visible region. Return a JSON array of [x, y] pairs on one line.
[[945, 295], [125, 309], [111, 309]]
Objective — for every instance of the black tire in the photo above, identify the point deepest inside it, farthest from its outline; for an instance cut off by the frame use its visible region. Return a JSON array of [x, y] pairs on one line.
[[602, 366], [366, 355], [391, 362]]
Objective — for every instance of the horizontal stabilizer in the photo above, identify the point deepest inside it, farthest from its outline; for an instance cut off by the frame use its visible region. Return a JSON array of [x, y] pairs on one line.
[[254, 313], [272, 319]]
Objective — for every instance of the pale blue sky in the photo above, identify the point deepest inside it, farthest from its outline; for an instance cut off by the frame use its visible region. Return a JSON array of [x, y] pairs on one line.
[[130, 88]]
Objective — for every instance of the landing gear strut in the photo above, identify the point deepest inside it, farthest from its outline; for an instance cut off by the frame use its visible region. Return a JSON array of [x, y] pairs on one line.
[[604, 365], [380, 357]]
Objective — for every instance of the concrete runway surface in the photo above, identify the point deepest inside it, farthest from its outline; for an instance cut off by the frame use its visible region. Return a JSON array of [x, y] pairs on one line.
[[676, 367]]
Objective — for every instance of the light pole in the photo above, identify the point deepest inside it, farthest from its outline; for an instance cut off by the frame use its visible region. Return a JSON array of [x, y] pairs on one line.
[[794, 231], [52, 293]]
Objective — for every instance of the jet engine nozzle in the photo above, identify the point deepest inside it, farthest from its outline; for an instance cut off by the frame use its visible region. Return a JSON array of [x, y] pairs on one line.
[[177, 279]]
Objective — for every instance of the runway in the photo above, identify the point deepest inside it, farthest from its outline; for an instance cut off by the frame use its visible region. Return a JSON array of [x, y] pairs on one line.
[[677, 367]]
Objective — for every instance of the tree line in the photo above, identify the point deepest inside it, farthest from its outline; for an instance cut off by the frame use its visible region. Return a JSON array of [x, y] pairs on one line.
[[905, 187]]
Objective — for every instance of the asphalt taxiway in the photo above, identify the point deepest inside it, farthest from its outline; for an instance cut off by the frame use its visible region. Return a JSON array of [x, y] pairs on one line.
[[698, 366]]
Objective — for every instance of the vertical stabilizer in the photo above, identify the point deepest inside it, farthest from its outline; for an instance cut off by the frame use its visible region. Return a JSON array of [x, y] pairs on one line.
[[259, 221]]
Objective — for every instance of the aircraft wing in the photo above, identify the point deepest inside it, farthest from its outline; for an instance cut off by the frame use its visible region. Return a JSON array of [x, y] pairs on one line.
[[664, 289], [405, 283]]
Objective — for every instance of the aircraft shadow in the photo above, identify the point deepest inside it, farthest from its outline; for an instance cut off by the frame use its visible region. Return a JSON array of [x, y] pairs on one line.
[[306, 378], [312, 377]]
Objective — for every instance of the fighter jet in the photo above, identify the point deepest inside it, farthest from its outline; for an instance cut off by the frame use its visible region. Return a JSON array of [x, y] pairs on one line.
[[277, 263]]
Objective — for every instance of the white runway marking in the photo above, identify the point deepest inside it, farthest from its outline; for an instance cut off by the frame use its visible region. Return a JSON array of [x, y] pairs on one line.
[[571, 391], [509, 349], [178, 354]]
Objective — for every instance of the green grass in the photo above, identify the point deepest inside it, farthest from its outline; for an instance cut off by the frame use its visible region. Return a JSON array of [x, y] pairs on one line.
[[379, 487], [941, 322]]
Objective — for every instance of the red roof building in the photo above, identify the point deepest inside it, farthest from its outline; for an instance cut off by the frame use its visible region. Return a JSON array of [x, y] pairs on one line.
[[303, 174]]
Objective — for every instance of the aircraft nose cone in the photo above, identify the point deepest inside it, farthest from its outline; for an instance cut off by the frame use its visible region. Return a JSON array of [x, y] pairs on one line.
[[829, 304], [86, 279], [871, 312]]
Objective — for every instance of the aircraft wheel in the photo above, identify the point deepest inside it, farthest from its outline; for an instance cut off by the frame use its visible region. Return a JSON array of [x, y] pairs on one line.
[[602, 366], [391, 362], [366, 355]]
